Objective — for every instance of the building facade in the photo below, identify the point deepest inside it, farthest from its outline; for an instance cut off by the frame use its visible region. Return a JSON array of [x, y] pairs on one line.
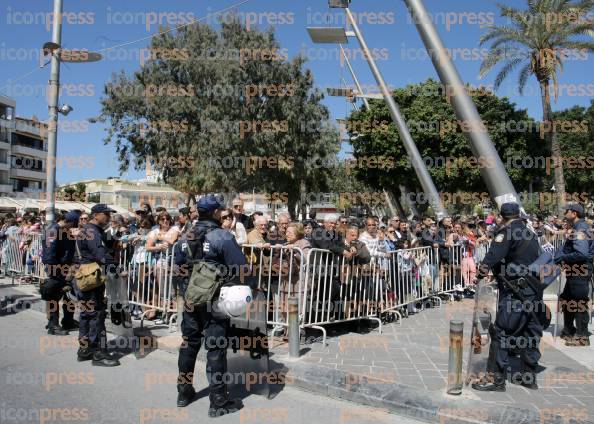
[[130, 194], [23, 152]]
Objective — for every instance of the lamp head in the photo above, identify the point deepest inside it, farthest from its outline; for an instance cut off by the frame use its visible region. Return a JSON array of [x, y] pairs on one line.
[[338, 4], [65, 109]]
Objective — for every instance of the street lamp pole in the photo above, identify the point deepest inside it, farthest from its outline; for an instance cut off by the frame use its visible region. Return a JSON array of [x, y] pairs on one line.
[[496, 178], [52, 133], [352, 71], [409, 144]]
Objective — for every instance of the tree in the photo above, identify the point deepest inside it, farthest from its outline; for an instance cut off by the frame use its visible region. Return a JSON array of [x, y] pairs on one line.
[[211, 109], [538, 39], [441, 141], [578, 148]]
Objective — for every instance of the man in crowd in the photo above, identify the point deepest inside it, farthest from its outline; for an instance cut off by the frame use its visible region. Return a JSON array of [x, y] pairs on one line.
[[279, 234], [185, 222], [94, 246], [370, 238], [212, 244], [239, 215], [57, 255], [576, 259]]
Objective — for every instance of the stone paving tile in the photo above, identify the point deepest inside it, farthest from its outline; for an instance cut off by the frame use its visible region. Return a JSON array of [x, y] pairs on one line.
[[415, 354]]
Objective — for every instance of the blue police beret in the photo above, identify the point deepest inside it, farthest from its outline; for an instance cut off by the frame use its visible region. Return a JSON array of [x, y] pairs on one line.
[[101, 208], [576, 207], [72, 217], [510, 209], [209, 203]]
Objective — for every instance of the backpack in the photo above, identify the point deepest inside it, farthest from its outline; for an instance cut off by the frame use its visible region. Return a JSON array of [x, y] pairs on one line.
[[206, 278]]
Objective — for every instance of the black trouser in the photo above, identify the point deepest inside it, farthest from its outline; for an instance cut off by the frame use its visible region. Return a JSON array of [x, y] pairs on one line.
[[515, 328], [92, 305], [197, 323], [53, 297], [575, 302]]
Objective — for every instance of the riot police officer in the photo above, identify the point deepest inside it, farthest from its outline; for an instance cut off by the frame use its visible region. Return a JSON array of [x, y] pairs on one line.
[[576, 259], [57, 255], [207, 241], [93, 246], [514, 245]]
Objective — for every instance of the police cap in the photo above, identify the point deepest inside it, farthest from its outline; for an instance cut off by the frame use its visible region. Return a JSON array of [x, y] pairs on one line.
[[510, 209], [208, 203], [72, 217], [101, 208], [576, 207]]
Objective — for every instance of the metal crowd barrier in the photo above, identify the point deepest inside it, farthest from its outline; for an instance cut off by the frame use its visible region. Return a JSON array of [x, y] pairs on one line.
[[412, 277], [21, 257], [279, 271], [149, 280]]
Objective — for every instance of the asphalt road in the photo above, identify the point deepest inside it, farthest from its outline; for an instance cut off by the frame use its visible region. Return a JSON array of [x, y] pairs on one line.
[[41, 382]]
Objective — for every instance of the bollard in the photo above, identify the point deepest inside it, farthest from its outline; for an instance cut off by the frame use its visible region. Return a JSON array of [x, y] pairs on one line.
[[455, 360], [293, 327]]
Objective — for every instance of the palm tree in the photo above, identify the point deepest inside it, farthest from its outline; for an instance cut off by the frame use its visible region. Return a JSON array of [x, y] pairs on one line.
[[537, 39]]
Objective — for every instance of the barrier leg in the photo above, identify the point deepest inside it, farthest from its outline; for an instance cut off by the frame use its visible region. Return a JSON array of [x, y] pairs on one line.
[[323, 330]]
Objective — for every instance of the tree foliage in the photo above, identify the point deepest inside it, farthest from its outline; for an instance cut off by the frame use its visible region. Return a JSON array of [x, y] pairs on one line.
[[439, 136], [538, 40], [211, 107]]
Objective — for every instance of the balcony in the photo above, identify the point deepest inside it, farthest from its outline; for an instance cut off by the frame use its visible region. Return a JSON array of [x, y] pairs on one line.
[[27, 174], [20, 149], [37, 129], [7, 123]]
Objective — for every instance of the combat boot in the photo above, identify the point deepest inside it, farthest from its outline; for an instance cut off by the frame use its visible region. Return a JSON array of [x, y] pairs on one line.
[[185, 395], [220, 404], [56, 330], [84, 354], [103, 359], [496, 384], [70, 324], [529, 377]]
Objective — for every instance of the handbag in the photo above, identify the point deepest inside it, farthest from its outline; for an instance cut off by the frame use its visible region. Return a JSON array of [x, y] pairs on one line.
[[88, 276]]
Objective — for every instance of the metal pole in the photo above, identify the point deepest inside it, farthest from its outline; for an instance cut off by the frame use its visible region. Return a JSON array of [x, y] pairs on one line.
[[52, 133], [495, 177], [293, 321], [352, 71], [455, 358], [409, 144]]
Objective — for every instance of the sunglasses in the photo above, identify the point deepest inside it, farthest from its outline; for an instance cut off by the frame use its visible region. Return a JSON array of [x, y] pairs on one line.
[[391, 232], [84, 218], [237, 206], [226, 217]]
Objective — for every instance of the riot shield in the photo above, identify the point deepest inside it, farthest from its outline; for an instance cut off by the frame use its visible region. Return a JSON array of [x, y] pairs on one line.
[[247, 356], [120, 322], [485, 310]]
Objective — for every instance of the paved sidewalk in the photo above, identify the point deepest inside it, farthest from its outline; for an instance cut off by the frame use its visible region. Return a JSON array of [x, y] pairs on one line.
[[405, 368]]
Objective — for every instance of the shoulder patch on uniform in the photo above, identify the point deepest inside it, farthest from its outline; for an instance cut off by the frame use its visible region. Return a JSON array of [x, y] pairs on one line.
[[581, 235], [499, 238]]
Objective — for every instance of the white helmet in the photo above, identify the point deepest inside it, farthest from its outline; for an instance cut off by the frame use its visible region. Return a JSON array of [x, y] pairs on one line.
[[233, 301]]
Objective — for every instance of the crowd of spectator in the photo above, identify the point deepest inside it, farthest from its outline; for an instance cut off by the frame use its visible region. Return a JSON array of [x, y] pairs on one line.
[[147, 235]]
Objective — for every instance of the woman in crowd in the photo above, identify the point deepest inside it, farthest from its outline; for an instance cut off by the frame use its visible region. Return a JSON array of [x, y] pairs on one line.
[[230, 223], [293, 257], [159, 241]]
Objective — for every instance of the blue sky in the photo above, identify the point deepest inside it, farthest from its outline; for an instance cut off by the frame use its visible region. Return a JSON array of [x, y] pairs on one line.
[[101, 24]]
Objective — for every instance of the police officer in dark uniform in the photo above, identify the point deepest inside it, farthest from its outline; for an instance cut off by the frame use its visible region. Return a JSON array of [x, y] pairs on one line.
[[57, 255], [576, 259], [514, 246], [94, 246], [207, 241]]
